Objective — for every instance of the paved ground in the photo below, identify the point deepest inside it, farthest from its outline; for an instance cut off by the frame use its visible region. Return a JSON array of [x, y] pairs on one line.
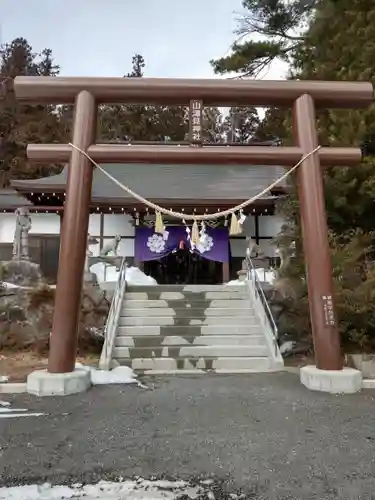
[[265, 434]]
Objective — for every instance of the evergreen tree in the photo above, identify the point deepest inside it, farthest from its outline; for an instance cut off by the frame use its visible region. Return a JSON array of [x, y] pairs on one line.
[[337, 42], [213, 126], [20, 124], [274, 126], [142, 122], [342, 47], [241, 124], [268, 30], [138, 65]]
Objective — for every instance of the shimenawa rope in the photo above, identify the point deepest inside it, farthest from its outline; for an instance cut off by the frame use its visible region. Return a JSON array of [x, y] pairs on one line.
[[196, 218]]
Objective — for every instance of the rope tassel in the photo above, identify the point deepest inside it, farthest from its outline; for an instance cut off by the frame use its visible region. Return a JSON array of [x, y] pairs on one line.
[[235, 226], [159, 224], [195, 233]]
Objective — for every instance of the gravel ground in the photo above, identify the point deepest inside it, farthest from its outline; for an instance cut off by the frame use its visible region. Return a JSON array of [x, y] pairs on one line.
[[263, 434]]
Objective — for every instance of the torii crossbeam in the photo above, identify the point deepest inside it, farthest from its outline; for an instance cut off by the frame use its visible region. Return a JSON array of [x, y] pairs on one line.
[[87, 93]]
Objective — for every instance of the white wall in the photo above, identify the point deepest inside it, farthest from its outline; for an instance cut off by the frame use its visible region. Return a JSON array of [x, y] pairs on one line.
[[7, 228], [238, 247], [94, 225], [248, 226], [113, 224], [122, 225], [50, 224], [268, 247], [118, 224], [270, 225], [41, 224]]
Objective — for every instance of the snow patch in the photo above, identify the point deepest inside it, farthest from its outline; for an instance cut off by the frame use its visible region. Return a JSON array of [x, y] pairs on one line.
[[139, 489], [11, 286], [5, 284], [119, 375], [134, 276], [265, 275], [7, 412], [236, 283], [287, 346]]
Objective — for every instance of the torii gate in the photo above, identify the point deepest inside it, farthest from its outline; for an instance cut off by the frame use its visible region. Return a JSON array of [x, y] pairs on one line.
[[87, 93]]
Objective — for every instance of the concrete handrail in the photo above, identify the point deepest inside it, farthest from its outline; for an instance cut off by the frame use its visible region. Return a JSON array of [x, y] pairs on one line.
[[263, 310]]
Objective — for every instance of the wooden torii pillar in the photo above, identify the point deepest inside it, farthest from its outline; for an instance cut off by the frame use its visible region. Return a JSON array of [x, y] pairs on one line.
[[87, 93]]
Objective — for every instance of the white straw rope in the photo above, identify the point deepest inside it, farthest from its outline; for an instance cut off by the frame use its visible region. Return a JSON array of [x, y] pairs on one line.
[[184, 216]]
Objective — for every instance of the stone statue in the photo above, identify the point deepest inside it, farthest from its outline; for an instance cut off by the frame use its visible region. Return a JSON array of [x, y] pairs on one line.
[[21, 235], [253, 250], [90, 241], [111, 246], [285, 286], [285, 255], [103, 257]]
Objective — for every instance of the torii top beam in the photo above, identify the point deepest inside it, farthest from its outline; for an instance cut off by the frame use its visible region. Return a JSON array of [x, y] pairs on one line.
[[213, 92]]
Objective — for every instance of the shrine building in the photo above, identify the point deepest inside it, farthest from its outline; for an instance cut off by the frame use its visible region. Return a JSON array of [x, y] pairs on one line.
[[194, 189]]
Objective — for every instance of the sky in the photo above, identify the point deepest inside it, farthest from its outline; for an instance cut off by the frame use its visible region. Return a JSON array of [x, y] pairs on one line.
[[99, 37]]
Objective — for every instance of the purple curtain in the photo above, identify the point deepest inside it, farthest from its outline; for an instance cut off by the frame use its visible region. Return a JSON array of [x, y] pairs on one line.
[[153, 246]]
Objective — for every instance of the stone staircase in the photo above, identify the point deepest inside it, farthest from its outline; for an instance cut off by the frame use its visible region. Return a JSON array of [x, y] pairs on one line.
[[169, 328]]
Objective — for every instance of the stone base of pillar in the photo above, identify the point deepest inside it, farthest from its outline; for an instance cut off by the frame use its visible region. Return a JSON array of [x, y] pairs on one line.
[[345, 381], [43, 383]]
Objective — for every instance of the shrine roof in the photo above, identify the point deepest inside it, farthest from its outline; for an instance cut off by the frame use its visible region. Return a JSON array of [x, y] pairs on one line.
[[10, 200], [168, 182]]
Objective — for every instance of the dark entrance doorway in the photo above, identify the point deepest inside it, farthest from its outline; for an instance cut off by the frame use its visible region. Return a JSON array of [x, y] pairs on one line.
[[184, 268]]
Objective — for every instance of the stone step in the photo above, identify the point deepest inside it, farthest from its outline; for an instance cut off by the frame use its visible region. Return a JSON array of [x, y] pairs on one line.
[[191, 351], [150, 304], [188, 312], [262, 364], [189, 321], [217, 340], [189, 331], [226, 294], [182, 288]]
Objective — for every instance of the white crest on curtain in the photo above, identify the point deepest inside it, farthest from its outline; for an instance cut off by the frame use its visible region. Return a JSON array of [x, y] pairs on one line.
[[156, 243], [205, 244]]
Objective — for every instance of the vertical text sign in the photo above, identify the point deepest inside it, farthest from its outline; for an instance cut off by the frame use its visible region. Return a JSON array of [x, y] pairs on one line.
[[195, 121], [329, 315]]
